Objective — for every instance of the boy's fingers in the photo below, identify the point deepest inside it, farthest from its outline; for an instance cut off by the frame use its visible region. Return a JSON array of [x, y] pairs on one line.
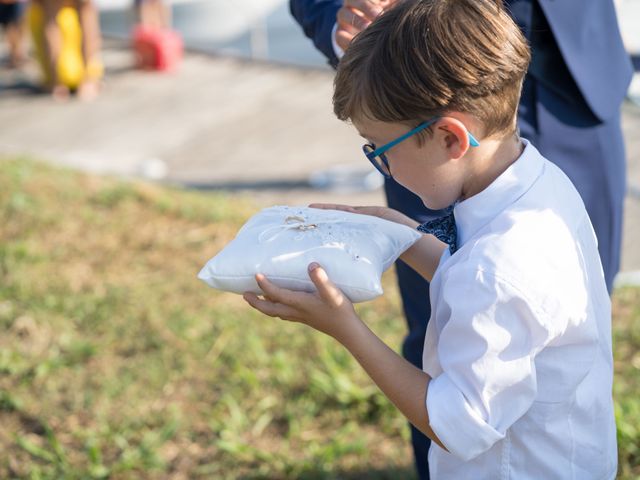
[[326, 289], [270, 291], [332, 206], [270, 308], [364, 210], [276, 294]]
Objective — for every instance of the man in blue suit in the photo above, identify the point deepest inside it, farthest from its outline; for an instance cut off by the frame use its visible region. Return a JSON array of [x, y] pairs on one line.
[[570, 110]]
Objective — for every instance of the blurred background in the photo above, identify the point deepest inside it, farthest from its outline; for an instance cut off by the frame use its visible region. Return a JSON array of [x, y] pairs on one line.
[[122, 171]]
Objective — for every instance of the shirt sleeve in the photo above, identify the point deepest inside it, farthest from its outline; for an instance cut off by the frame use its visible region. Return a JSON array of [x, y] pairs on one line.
[[336, 48], [317, 19], [486, 349]]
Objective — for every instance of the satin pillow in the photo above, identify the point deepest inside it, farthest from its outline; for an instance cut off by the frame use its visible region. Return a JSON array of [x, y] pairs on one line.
[[282, 241]]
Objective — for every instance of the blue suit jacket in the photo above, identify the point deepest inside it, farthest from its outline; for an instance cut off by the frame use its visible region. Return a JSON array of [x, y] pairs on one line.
[[586, 31]]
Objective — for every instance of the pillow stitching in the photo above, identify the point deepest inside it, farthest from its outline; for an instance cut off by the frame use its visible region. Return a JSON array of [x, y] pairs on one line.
[[229, 277]]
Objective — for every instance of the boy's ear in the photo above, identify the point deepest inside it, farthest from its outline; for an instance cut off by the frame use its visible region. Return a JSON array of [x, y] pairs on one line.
[[455, 137]]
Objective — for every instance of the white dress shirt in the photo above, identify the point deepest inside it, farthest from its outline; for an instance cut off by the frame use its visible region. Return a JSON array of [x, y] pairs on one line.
[[336, 48], [519, 341]]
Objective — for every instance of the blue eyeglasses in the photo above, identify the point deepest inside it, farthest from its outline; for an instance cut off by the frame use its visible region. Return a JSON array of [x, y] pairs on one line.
[[377, 155]]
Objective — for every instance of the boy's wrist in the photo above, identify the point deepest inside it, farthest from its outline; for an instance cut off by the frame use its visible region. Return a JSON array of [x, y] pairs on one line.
[[349, 330]]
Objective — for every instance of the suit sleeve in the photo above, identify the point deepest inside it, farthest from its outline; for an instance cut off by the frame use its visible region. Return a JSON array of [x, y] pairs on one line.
[[317, 18]]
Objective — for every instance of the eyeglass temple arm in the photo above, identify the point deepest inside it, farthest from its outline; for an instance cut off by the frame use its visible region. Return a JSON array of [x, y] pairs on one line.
[[472, 140]]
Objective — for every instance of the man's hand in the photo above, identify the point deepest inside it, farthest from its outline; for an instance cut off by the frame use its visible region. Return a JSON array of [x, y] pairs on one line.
[[356, 15], [326, 310]]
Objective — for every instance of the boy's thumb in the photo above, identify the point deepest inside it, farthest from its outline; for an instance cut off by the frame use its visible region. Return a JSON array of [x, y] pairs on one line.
[[326, 288]]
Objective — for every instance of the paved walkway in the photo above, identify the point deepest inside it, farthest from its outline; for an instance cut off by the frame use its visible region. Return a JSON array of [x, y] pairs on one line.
[[218, 122]]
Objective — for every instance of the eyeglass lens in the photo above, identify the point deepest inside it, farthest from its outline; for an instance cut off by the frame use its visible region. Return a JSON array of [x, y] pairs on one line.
[[377, 161]]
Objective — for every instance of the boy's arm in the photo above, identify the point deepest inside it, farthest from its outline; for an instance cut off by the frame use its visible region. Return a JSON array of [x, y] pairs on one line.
[[403, 383], [329, 311], [424, 255]]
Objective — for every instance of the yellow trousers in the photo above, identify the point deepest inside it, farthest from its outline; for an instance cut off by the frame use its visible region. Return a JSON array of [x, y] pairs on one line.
[[70, 65]]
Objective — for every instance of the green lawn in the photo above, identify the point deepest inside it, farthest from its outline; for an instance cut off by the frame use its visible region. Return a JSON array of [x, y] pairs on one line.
[[116, 362]]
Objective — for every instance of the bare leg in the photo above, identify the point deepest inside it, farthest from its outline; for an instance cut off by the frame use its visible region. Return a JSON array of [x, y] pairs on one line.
[[53, 46], [91, 45], [154, 13], [15, 38]]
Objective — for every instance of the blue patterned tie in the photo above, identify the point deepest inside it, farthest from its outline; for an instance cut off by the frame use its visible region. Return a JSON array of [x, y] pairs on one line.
[[443, 228]]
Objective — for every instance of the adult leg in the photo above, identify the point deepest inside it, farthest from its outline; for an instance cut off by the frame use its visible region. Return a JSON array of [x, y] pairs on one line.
[[153, 13], [53, 45], [15, 33], [91, 46], [414, 291]]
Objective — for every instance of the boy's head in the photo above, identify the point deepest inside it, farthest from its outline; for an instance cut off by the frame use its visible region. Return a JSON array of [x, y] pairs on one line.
[[425, 58]]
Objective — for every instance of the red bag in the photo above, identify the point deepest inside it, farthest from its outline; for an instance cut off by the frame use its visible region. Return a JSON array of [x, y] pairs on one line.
[[157, 48]]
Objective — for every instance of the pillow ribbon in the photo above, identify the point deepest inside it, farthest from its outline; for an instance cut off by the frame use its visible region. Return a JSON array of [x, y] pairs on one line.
[[293, 222]]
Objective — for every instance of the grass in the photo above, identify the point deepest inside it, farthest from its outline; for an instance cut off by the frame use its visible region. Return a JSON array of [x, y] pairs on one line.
[[116, 362]]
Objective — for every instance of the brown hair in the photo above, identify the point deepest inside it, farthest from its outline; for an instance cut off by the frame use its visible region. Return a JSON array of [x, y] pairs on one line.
[[423, 58]]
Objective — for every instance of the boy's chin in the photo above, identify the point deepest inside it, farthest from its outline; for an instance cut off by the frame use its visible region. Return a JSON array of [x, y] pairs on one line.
[[439, 203], [433, 204]]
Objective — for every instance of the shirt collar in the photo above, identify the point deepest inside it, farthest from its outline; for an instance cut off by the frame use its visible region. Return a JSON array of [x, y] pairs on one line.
[[475, 212]]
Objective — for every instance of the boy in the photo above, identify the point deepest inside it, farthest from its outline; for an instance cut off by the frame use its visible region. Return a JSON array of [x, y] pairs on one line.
[[517, 359]]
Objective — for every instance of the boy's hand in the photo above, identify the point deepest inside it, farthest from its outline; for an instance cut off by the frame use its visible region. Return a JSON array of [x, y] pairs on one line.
[[385, 213], [326, 310]]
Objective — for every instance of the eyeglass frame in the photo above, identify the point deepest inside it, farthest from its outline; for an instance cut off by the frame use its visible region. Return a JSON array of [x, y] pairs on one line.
[[380, 151]]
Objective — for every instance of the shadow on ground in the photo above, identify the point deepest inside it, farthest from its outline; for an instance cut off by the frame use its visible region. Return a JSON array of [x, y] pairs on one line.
[[372, 474], [25, 81]]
